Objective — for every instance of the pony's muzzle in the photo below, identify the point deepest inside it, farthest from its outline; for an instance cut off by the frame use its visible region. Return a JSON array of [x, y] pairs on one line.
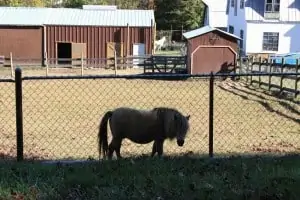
[[180, 142]]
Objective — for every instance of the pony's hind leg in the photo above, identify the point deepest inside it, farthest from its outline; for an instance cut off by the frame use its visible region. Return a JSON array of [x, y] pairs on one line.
[[115, 145], [118, 148]]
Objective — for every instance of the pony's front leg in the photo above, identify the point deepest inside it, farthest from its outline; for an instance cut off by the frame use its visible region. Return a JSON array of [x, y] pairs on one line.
[[154, 149], [159, 147]]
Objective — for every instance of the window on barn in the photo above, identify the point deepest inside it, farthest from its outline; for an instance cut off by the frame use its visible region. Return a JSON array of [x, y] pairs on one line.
[[242, 4], [270, 41], [272, 8]]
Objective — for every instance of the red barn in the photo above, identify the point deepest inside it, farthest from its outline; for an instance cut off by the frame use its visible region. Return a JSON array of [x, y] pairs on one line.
[[33, 34]]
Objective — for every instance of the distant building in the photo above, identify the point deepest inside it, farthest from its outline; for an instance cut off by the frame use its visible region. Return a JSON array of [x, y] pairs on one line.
[[266, 26], [92, 32], [216, 14]]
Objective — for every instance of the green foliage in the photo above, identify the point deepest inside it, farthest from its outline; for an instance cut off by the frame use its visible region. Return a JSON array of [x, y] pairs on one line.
[[14, 3], [179, 13], [146, 178]]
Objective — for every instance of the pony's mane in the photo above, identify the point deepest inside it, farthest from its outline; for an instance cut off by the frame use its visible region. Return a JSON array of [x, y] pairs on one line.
[[172, 121]]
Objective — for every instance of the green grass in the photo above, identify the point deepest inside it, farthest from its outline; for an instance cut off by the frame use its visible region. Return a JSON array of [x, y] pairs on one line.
[[145, 178]]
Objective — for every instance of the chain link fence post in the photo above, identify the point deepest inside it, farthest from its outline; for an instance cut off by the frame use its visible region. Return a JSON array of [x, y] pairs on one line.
[[211, 115], [19, 113]]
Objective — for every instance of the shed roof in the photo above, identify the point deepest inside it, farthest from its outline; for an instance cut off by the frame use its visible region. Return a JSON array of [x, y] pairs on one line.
[[205, 29], [33, 16]]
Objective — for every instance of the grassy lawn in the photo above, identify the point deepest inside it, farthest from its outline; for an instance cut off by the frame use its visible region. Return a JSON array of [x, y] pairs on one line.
[[145, 178]]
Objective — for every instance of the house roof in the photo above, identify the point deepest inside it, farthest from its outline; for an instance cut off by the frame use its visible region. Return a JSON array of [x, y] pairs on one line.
[[205, 29], [34, 16], [289, 10]]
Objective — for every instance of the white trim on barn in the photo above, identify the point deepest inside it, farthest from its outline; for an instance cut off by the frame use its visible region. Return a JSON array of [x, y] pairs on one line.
[[208, 46]]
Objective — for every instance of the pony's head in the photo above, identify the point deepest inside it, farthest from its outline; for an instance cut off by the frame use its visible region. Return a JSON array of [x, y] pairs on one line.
[[175, 124], [181, 127]]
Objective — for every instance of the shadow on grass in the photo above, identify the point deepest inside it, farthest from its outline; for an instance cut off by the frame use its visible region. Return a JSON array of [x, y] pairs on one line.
[[160, 76], [266, 105], [276, 94], [280, 102], [171, 177]]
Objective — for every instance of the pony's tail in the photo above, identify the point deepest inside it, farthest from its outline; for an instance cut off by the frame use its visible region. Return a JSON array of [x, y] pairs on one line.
[[102, 134]]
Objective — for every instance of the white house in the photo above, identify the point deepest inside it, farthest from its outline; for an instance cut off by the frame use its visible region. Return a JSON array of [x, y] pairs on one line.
[[266, 26], [216, 14]]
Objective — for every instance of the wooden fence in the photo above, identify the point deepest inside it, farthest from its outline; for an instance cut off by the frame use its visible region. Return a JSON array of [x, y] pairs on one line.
[[269, 66], [149, 63]]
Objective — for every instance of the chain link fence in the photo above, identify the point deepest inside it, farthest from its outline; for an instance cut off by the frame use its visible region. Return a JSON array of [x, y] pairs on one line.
[[252, 120], [7, 119], [61, 115]]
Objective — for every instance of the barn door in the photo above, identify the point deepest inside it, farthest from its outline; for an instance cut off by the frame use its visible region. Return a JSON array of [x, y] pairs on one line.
[[120, 51], [110, 48], [78, 51]]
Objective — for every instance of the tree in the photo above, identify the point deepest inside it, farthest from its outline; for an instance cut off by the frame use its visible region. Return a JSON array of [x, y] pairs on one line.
[[15, 3], [192, 13], [178, 13]]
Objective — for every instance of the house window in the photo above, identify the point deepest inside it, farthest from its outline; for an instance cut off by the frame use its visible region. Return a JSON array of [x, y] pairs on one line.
[[272, 8], [231, 29], [242, 37], [272, 5], [232, 3], [242, 4], [235, 7], [270, 41]]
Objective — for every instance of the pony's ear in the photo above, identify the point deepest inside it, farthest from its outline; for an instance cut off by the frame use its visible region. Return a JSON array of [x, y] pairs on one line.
[[188, 117]]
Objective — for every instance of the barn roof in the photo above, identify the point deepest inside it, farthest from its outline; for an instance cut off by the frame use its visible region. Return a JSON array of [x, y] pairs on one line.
[[205, 29], [34, 16]]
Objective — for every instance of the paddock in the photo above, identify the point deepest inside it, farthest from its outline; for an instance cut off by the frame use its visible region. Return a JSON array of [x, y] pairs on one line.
[[61, 117]]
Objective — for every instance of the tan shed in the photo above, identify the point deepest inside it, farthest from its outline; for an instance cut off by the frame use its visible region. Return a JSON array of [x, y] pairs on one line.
[[210, 50]]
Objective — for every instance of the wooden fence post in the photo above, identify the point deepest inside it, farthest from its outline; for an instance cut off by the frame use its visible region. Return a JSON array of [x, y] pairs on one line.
[[259, 71], [247, 69], [251, 69], [11, 65], [115, 61], [46, 63], [281, 71], [297, 78], [81, 60], [270, 71]]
